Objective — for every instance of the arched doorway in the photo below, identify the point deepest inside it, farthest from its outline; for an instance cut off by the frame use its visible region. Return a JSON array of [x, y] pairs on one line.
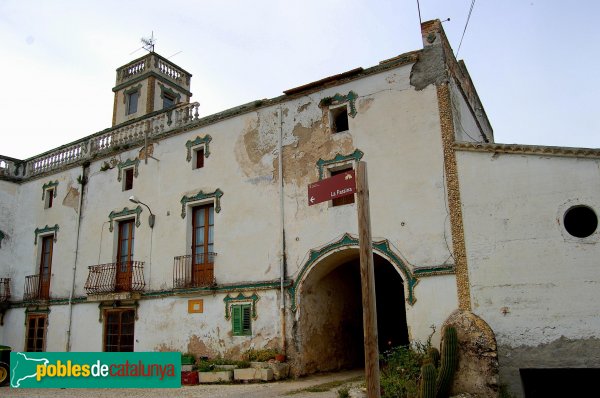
[[329, 330]]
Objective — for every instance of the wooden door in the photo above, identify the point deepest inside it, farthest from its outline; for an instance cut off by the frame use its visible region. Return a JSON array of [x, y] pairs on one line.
[[125, 256], [45, 267], [203, 245]]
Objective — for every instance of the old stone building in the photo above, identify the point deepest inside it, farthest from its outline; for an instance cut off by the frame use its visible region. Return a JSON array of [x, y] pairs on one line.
[[168, 231]]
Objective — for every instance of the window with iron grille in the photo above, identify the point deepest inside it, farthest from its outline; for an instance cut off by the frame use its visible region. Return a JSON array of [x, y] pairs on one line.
[[241, 319], [36, 333], [119, 330]]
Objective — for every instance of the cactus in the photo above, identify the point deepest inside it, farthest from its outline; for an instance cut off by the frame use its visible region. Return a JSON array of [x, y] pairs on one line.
[[427, 388], [449, 361], [433, 354]]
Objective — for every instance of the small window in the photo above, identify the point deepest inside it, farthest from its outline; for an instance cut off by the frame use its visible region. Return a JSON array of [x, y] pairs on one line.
[[168, 100], [36, 333], [132, 102], [199, 158], [49, 198], [339, 119], [344, 200], [128, 180], [241, 319], [580, 221]]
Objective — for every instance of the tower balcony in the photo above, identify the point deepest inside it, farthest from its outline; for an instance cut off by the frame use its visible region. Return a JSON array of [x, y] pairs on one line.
[[153, 63]]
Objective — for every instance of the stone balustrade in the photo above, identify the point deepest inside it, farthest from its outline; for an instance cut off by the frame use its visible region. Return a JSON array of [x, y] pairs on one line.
[[156, 63], [114, 139]]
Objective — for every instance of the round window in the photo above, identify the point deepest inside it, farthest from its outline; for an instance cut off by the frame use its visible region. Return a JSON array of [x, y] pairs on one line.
[[580, 221]]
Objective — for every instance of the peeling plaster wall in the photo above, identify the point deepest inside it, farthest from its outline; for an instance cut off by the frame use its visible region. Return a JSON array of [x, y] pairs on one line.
[[8, 200], [203, 334], [530, 280], [14, 329]]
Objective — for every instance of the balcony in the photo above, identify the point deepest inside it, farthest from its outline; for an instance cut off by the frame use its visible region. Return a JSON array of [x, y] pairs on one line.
[[37, 287], [4, 289], [126, 277], [188, 273]]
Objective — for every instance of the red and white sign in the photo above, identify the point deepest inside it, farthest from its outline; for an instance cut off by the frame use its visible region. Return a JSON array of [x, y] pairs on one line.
[[339, 185]]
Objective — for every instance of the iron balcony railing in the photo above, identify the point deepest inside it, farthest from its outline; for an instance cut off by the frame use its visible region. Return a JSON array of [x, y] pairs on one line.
[[125, 276], [194, 270], [37, 287], [4, 289]]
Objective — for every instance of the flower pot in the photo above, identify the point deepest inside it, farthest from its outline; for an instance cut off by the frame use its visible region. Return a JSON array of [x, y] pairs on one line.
[[280, 357]]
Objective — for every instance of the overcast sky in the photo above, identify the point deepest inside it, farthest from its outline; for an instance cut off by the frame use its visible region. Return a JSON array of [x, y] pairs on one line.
[[534, 63]]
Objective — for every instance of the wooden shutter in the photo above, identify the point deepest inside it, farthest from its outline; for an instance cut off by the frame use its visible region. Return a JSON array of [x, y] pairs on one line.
[[236, 311]]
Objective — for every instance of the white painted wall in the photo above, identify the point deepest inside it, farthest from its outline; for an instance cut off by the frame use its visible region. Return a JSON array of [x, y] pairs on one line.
[[530, 280]]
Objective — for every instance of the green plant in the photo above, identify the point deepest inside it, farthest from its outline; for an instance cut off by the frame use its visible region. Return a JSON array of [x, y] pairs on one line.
[[427, 387], [401, 369], [344, 392], [448, 362], [262, 355]]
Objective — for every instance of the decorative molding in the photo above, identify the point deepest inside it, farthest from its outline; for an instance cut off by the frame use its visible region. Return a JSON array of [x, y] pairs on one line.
[[49, 184], [201, 196], [240, 298], [117, 305], [124, 213], [321, 163], [45, 230], [131, 91], [459, 251], [198, 141], [338, 99], [528, 149], [410, 277], [128, 163], [164, 90]]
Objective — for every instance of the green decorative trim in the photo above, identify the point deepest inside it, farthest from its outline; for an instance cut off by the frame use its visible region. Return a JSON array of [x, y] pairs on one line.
[[382, 247], [321, 163], [49, 185], [128, 163], [200, 196], [131, 91], [44, 230], [240, 298], [338, 99], [164, 90], [190, 144], [123, 213], [1, 237]]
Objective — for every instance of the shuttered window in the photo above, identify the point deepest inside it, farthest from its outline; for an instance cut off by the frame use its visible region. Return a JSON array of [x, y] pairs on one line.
[[241, 318]]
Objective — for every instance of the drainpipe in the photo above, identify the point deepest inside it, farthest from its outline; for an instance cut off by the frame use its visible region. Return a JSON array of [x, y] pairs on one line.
[[282, 227], [83, 182]]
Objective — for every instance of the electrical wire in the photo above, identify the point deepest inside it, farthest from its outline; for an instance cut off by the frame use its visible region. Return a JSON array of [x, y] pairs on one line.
[[419, 10], [466, 24]]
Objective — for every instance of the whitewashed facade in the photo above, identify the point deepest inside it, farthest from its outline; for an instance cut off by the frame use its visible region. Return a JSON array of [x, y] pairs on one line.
[[458, 222]]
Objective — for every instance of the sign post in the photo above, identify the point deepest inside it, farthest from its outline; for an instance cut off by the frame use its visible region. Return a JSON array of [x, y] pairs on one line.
[[367, 278], [345, 184]]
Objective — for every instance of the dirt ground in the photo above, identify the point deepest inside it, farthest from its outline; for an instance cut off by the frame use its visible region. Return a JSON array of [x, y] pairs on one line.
[[293, 388]]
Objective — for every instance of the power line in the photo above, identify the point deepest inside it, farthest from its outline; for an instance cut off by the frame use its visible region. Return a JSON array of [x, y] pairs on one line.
[[419, 9], [466, 24]]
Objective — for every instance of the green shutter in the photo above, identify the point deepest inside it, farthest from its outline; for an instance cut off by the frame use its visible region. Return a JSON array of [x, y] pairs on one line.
[[246, 324], [236, 311], [241, 319]]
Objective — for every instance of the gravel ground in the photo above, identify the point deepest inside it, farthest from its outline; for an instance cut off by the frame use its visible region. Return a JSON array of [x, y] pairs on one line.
[[251, 390]]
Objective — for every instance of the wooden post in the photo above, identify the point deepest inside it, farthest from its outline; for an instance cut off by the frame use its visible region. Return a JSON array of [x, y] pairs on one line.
[[367, 278]]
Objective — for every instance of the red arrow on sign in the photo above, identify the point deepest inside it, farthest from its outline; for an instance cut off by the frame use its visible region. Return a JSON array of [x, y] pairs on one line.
[[339, 185]]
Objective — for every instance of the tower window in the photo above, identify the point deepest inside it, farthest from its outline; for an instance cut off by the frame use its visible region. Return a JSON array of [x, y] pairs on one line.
[[49, 198], [132, 102], [339, 119], [199, 158], [580, 221], [168, 100]]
